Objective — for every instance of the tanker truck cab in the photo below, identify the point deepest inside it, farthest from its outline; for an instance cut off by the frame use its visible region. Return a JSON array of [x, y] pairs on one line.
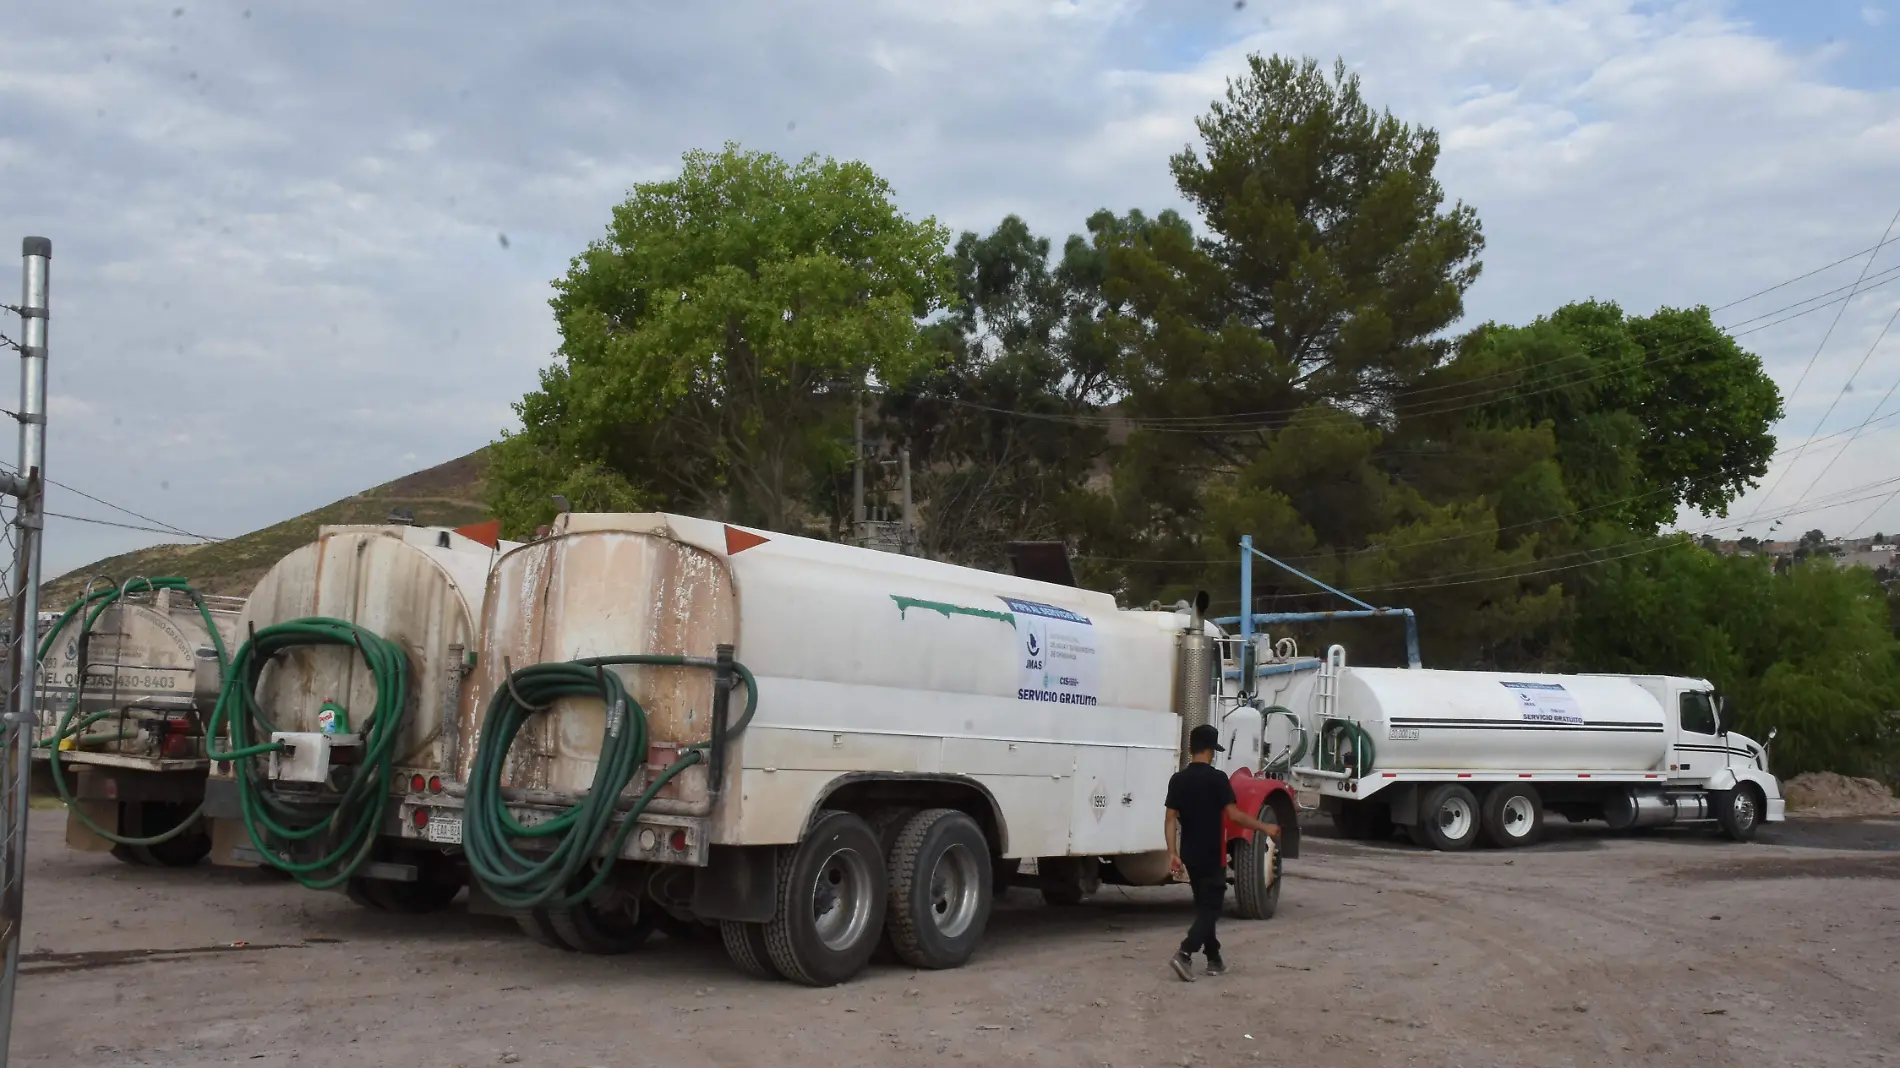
[[810, 747], [1455, 757], [1704, 754]]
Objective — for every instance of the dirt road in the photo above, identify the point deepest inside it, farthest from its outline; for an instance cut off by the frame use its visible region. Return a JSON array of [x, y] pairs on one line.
[[1669, 949]]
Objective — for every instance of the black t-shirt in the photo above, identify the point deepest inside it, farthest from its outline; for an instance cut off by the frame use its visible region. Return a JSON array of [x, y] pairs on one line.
[[1200, 793]]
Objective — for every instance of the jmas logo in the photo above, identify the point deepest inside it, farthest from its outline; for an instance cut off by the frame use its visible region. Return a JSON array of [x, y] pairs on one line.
[[1034, 660]]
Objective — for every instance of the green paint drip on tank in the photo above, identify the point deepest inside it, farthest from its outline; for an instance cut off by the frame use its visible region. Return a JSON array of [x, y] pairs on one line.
[[947, 609]]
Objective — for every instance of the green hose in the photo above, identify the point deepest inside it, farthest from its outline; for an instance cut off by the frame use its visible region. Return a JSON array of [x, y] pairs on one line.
[[320, 840], [584, 832], [1355, 734], [89, 608], [1295, 754]]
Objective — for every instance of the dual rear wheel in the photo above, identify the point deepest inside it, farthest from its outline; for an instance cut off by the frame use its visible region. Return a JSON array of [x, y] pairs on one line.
[[1451, 817], [841, 892]]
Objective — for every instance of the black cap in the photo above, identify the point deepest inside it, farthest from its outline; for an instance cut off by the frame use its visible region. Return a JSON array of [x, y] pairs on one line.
[[1205, 737]]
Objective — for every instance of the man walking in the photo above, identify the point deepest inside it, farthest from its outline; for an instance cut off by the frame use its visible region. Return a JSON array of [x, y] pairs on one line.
[[1199, 795]]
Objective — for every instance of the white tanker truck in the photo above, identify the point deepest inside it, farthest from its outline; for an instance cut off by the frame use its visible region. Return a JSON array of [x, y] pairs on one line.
[[1453, 756], [418, 588], [125, 685], [815, 747]]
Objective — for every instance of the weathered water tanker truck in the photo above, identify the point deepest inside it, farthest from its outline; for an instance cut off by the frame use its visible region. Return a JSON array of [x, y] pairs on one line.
[[1455, 756], [816, 747], [127, 678], [355, 648]]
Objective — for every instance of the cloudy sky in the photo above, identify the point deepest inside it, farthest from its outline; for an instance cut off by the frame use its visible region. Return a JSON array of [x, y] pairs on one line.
[[304, 248]]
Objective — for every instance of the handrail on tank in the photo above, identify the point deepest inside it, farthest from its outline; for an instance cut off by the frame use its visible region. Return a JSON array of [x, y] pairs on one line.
[[1248, 617]]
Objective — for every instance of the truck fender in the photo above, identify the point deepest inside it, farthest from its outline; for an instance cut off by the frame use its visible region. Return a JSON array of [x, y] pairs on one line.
[[1723, 779], [1251, 792], [998, 827]]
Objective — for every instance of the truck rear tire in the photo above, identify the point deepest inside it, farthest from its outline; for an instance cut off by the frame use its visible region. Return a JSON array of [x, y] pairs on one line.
[[535, 924], [1256, 877], [1513, 815], [940, 886], [1448, 818], [622, 926], [831, 901], [1738, 811], [745, 944]]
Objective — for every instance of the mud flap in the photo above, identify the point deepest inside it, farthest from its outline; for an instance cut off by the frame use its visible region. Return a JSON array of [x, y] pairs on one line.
[[738, 883]]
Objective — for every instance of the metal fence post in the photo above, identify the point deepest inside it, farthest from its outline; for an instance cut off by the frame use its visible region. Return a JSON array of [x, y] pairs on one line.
[[29, 519]]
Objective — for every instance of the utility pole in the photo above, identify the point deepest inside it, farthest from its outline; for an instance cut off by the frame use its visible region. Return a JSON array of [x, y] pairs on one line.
[[27, 487], [907, 540], [857, 471]]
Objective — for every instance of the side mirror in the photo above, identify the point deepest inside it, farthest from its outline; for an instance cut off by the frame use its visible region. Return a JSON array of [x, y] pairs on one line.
[[1772, 731]]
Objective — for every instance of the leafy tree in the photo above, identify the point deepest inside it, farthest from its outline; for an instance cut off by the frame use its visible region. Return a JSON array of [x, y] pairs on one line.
[[1003, 428], [1811, 650], [1651, 414], [714, 341]]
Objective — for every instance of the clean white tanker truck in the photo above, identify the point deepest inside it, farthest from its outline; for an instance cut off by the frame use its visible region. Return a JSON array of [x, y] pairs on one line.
[[814, 747], [1454, 756]]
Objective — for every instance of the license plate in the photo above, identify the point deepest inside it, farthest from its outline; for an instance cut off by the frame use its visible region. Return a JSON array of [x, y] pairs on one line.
[[444, 829]]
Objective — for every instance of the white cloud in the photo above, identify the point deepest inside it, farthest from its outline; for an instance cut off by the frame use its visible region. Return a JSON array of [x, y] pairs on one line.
[[308, 227]]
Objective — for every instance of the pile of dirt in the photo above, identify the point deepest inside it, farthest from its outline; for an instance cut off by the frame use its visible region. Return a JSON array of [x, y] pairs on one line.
[[1824, 793]]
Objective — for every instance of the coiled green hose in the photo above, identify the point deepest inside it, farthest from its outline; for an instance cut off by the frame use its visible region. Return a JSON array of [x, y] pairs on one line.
[[1295, 753], [1354, 734], [585, 832], [323, 839], [89, 608]]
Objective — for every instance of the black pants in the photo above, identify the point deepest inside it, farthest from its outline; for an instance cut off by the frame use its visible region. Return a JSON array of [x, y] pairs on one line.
[[1210, 893]]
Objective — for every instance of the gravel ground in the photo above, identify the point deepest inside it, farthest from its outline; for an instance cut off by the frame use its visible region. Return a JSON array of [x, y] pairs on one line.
[[1665, 949]]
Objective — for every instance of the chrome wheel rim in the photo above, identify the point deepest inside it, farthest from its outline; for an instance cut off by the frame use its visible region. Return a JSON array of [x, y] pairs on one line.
[[955, 891], [841, 899]]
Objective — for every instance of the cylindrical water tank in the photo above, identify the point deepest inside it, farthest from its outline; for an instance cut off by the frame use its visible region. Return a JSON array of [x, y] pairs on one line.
[[141, 662], [1503, 721], [866, 644], [420, 587]]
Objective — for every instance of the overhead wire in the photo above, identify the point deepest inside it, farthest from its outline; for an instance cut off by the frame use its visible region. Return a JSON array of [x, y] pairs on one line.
[[1792, 393]]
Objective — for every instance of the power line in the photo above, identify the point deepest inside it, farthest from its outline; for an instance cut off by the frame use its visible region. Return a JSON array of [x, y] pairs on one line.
[[122, 526], [1779, 475], [1829, 466], [1245, 422], [1508, 572], [1761, 292], [161, 527]]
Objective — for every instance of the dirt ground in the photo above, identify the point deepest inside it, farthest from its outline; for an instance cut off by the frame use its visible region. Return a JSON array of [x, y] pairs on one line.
[[1668, 949]]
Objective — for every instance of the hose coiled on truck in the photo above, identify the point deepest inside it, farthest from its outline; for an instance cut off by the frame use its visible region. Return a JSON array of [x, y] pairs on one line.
[[1353, 734], [340, 829], [584, 832], [88, 609], [1281, 765]]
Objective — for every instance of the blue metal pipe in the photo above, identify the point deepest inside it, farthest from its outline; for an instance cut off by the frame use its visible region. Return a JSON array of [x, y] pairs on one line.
[[1248, 617]]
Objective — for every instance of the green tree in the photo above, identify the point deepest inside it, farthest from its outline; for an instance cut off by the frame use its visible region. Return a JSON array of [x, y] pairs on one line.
[[1810, 650], [715, 339], [1002, 429], [1651, 414]]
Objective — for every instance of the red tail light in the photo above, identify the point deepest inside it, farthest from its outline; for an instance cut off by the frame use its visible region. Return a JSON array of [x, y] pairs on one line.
[[420, 819], [417, 784], [678, 841], [435, 784]]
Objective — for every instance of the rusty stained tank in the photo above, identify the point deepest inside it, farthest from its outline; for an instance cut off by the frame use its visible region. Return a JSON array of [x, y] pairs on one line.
[[420, 587], [609, 592], [141, 663]]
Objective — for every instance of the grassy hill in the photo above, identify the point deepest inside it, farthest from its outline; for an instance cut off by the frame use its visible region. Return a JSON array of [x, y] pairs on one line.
[[445, 495]]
